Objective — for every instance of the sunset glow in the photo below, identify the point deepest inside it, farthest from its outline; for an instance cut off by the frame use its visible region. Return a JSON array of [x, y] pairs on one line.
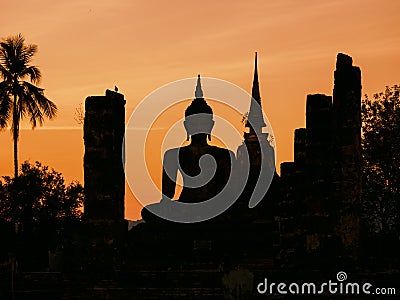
[[86, 47]]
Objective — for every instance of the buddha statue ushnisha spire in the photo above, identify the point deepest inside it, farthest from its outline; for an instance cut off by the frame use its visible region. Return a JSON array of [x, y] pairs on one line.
[[255, 119], [199, 92], [199, 104]]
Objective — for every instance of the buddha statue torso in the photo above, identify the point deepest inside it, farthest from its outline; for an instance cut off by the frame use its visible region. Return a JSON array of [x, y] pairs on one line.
[[205, 171]]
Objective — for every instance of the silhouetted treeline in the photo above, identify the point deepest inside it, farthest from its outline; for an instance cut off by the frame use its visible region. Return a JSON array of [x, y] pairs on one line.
[[381, 171]]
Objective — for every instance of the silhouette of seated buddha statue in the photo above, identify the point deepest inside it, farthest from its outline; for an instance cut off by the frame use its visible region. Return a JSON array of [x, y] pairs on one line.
[[205, 169]]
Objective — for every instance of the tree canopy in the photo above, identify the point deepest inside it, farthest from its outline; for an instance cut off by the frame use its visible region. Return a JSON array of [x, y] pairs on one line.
[[381, 160], [39, 194]]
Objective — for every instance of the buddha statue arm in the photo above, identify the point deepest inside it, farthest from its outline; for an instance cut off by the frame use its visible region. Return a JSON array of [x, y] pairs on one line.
[[230, 172], [170, 170], [231, 164]]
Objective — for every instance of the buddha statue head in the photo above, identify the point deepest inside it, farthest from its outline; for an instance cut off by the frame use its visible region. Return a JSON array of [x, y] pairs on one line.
[[198, 116]]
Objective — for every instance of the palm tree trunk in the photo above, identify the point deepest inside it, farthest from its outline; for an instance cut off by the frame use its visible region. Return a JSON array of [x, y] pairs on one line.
[[15, 156], [15, 136]]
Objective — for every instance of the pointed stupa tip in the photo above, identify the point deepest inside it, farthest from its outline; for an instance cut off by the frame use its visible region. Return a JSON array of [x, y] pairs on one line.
[[255, 93], [255, 118], [255, 68], [199, 92]]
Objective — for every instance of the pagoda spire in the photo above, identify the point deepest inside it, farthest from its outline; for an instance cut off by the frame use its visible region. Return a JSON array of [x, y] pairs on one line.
[[255, 92], [255, 119], [199, 92]]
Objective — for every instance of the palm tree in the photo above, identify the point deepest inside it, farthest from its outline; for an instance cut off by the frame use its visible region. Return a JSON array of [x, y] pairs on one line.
[[19, 98]]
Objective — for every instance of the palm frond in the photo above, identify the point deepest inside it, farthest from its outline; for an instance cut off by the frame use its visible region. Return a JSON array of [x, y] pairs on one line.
[[5, 74], [18, 45], [5, 87], [36, 105], [5, 105], [46, 105], [28, 51], [33, 72], [15, 55], [29, 107], [11, 48], [4, 53]]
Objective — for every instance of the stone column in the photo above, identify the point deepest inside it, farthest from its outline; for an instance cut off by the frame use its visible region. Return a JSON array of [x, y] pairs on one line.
[[104, 128], [347, 165]]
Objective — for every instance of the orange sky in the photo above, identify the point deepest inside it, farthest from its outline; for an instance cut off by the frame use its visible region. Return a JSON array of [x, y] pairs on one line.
[[88, 46]]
